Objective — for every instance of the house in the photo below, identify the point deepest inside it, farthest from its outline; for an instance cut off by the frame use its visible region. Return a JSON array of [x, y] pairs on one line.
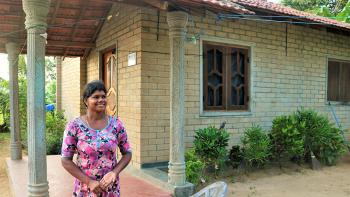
[[172, 67], [241, 70]]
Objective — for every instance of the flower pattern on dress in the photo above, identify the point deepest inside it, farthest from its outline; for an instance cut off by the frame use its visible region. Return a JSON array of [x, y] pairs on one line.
[[96, 152]]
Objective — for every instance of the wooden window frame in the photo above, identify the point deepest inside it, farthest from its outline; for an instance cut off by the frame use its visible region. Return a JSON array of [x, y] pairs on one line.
[[337, 88], [227, 75]]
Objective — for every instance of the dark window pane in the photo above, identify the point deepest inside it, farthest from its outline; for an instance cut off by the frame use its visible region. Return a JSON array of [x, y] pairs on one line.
[[214, 80], [237, 80], [345, 82], [210, 96], [234, 62], [241, 96], [333, 81], [233, 96], [241, 62], [210, 55], [219, 56], [218, 97]]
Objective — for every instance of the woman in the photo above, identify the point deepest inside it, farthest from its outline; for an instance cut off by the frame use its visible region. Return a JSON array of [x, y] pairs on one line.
[[95, 137]]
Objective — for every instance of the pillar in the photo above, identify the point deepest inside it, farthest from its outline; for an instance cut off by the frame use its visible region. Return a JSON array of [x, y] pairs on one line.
[[177, 21], [59, 83], [15, 144], [36, 17]]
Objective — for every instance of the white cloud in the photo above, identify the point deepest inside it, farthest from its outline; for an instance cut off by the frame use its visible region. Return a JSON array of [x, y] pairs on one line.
[[4, 66]]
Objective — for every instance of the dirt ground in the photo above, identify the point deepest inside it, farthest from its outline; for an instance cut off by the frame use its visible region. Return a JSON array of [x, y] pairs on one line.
[[4, 152], [294, 181]]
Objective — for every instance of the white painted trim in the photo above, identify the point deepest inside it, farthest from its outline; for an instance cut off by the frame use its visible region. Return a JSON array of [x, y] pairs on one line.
[[251, 49], [340, 58]]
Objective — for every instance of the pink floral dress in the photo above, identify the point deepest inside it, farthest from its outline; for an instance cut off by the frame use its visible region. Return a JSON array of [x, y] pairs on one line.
[[96, 151]]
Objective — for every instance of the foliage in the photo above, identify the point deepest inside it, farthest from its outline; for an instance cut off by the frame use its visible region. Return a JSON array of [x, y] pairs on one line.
[[50, 69], [304, 4], [334, 6], [210, 145], [321, 136], [194, 167], [335, 9], [4, 106], [256, 147], [344, 15], [236, 156], [287, 137], [55, 124], [50, 92]]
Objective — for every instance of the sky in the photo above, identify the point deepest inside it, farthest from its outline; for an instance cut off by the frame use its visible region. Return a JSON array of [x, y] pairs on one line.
[[4, 67]]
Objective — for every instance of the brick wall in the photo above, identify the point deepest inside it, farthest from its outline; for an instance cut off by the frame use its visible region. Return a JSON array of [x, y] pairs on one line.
[[71, 102], [123, 31], [280, 80]]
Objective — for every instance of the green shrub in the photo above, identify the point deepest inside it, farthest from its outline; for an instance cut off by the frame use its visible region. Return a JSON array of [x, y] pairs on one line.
[[321, 136], [194, 167], [256, 147], [4, 106], [287, 137], [236, 156], [55, 125], [210, 145]]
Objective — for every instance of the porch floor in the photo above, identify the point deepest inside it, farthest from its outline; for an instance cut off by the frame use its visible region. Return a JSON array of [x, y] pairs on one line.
[[61, 182]]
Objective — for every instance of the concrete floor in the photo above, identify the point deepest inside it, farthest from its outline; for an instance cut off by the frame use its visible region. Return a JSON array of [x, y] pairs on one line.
[[61, 183]]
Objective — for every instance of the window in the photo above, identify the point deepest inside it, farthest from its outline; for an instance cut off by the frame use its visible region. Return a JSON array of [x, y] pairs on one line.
[[338, 81], [225, 77]]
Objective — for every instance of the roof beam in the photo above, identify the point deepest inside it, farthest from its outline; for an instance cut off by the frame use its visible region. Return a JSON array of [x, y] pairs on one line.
[[82, 45], [53, 18], [81, 13], [98, 29]]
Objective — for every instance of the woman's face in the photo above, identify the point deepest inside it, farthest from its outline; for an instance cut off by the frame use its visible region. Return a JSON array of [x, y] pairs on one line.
[[97, 101]]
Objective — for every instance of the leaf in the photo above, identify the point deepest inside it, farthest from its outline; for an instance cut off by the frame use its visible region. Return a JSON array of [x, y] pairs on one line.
[[344, 15], [322, 11]]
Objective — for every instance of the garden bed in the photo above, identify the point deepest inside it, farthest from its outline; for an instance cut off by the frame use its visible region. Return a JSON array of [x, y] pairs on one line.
[[290, 181]]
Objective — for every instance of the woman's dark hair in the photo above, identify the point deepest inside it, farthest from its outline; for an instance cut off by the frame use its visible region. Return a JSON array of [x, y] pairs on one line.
[[91, 87]]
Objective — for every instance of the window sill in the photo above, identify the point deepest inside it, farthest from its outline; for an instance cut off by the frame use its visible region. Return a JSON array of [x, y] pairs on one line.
[[218, 113], [338, 103]]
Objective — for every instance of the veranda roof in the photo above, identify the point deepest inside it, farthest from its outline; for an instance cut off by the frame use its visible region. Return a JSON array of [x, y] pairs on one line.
[[73, 25]]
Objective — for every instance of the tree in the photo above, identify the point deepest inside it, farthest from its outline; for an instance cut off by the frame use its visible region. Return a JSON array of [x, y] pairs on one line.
[[335, 9], [4, 106], [334, 6]]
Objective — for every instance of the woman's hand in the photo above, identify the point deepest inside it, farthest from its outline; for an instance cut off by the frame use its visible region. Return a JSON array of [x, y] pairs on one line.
[[108, 179], [94, 186]]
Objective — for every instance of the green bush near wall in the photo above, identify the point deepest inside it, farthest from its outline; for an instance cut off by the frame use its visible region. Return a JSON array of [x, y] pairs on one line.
[[194, 167], [256, 147], [210, 145], [55, 125], [321, 136], [297, 134]]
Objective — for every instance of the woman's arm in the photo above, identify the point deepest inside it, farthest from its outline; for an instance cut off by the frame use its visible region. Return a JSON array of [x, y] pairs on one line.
[[73, 169], [110, 177], [124, 161]]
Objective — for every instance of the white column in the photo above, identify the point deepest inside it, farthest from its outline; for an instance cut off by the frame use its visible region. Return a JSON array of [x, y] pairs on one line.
[[36, 12], [177, 32], [15, 145], [59, 83]]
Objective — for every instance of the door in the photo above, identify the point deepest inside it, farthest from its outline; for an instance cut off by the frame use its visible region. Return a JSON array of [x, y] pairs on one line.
[[110, 80]]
